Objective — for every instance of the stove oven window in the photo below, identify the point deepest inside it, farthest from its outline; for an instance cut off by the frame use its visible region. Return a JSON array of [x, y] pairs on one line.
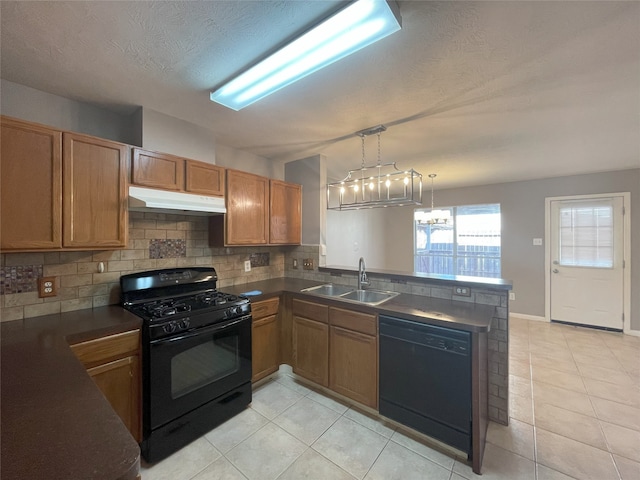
[[204, 364]]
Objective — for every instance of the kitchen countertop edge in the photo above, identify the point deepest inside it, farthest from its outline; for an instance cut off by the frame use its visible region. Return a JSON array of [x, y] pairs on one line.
[[55, 421], [441, 312], [460, 280]]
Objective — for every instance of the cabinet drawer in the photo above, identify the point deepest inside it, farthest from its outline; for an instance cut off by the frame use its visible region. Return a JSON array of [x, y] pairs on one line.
[[357, 321], [99, 350], [313, 311], [265, 308]]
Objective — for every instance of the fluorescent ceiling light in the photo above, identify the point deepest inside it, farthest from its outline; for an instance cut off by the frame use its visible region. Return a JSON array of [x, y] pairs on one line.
[[361, 23]]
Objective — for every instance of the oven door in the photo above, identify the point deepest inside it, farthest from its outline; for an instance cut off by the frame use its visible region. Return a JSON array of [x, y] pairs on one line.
[[191, 369]]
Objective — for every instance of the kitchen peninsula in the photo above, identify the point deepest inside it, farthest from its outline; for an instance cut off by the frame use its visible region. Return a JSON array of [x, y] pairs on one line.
[[303, 316]]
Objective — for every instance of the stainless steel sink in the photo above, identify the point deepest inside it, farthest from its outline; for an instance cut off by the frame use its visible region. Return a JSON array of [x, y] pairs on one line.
[[370, 297], [329, 290], [342, 292]]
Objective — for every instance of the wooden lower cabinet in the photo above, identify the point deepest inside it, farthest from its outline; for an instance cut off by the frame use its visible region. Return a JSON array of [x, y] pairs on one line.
[[353, 355], [265, 338], [311, 350], [353, 365], [119, 382], [311, 341], [113, 362]]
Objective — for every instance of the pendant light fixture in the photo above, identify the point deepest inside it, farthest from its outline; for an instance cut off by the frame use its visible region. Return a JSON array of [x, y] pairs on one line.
[[434, 217], [374, 186]]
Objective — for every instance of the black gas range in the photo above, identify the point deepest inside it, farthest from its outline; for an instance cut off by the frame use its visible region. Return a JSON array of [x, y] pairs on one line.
[[196, 344]]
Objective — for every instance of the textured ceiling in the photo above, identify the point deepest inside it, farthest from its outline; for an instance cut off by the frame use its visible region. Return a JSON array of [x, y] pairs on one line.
[[477, 92]]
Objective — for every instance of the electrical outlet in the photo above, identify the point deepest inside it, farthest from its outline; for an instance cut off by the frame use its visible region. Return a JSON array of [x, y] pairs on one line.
[[512, 295], [247, 265], [295, 263], [537, 241], [307, 264], [47, 287], [462, 291]]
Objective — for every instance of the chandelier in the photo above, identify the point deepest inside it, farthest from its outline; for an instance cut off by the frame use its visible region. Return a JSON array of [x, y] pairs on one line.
[[434, 217], [374, 186]]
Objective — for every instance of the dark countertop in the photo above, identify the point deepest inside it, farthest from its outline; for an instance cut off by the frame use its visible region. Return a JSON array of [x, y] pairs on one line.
[[55, 422], [435, 311], [57, 425], [462, 280]]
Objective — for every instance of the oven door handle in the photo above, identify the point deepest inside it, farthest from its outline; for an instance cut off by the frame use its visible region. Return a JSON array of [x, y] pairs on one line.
[[202, 331]]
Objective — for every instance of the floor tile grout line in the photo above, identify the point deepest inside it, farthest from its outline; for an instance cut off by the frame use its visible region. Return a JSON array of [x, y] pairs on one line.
[[594, 410]]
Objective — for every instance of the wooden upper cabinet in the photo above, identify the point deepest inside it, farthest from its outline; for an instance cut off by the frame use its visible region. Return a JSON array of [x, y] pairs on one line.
[[31, 182], [94, 192], [259, 212], [247, 199], [285, 213], [157, 170], [204, 178]]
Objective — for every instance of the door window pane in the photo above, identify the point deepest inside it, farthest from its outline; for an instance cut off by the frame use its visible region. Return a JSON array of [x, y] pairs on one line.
[[586, 234]]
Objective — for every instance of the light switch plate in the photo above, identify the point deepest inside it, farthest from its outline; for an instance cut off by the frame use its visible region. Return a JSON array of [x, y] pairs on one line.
[[537, 241]]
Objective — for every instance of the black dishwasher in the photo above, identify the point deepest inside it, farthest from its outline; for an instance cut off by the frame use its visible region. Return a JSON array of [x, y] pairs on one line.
[[425, 379]]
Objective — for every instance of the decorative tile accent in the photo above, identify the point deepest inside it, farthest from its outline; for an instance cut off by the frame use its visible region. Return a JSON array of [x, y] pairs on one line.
[[172, 248], [19, 279], [259, 260]]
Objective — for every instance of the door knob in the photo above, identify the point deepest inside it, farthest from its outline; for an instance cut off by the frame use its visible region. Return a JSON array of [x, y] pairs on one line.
[[555, 270]]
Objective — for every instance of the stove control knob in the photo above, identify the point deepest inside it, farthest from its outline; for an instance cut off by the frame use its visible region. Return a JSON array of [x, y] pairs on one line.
[[184, 324], [237, 310], [169, 327]]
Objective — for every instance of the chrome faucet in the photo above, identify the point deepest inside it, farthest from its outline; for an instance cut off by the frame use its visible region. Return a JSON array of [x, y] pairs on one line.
[[362, 274]]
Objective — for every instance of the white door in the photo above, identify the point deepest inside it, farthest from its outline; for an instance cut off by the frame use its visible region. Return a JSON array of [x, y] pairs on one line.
[[587, 276]]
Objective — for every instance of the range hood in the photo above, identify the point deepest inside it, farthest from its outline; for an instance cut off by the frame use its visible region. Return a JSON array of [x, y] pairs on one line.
[[162, 201]]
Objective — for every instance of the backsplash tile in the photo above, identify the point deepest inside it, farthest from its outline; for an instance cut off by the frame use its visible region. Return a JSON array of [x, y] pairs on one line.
[[19, 278], [155, 241], [259, 259], [167, 248]]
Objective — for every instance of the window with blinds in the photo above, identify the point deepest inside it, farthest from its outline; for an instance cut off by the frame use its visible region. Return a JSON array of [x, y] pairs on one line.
[[586, 234]]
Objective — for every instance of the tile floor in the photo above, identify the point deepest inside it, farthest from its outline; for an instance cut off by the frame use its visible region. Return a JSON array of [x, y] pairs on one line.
[[575, 413]]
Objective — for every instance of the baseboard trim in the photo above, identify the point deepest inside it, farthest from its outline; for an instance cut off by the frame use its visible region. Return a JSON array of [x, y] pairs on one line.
[[524, 316]]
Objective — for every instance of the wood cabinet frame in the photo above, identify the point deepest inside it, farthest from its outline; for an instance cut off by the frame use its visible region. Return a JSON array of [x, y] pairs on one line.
[[113, 362], [265, 338], [61, 190]]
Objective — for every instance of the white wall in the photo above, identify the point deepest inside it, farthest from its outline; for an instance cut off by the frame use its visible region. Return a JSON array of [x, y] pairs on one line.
[[311, 174], [352, 234], [230, 157], [166, 134], [33, 105]]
